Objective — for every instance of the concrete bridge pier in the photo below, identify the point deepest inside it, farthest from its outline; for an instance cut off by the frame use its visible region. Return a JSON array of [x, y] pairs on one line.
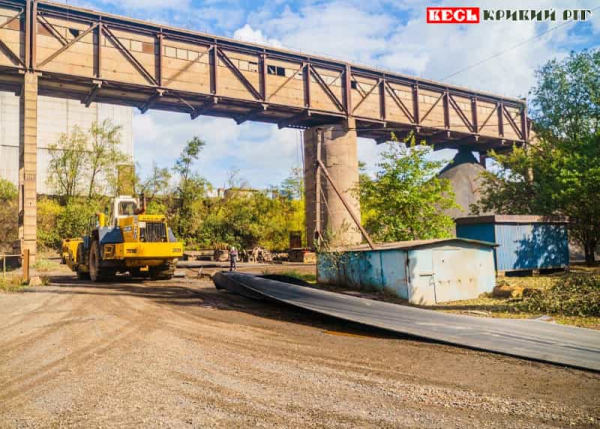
[[326, 214], [28, 165]]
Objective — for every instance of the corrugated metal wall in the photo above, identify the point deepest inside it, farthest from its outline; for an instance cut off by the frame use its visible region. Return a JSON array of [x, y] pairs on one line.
[[522, 246], [531, 246], [9, 137], [438, 273], [375, 270], [55, 116]]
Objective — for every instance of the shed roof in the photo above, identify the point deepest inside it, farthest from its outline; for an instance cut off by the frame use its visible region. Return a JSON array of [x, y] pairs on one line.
[[415, 244], [517, 219]]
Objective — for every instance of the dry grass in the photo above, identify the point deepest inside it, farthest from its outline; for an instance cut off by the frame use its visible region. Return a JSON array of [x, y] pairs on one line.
[[515, 309], [310, 278], [11, 283], [46, 265]]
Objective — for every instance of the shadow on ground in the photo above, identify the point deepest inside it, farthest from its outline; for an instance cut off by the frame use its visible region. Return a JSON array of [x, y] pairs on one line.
[[206, 296]]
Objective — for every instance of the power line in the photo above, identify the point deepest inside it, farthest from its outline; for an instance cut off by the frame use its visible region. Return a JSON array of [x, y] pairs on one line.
[[518, 45]]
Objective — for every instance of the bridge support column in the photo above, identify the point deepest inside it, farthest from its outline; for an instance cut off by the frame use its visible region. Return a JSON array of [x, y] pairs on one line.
[[28, 165], [326, 214]]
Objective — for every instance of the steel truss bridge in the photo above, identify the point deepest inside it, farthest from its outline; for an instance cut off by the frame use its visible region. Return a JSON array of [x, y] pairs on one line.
[[97, 57]]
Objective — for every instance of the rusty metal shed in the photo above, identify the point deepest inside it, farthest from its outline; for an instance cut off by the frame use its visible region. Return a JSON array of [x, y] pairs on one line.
[[423, 272], [524, 242]]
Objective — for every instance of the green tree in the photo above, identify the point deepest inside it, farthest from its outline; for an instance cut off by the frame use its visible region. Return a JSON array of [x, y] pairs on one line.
[[292, 189], [67, 165], [558, 174], [103, 156], [190, 189], [79, 156], [293, 186], [247, 218], [8, 191], [158, 183], [405, 199], [190, 153]]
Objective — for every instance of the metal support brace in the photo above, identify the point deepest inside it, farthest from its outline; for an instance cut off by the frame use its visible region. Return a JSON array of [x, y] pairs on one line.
[[321, 168], [346, 204], [89, 99]]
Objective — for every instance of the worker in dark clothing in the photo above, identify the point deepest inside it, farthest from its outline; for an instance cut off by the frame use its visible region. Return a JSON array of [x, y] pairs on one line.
[[233, 255]]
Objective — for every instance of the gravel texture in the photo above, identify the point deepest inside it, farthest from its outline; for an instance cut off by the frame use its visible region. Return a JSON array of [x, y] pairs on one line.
[[182, 354]]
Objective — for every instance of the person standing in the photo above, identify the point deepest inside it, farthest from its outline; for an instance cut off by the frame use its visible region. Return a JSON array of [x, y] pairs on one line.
[[233, 255]]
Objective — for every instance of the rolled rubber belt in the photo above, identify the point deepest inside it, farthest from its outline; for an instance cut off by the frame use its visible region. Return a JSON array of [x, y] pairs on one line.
[[529, 339]]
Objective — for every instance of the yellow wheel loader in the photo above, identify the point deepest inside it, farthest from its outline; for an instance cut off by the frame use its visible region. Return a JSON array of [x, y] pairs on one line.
[[131, 241]]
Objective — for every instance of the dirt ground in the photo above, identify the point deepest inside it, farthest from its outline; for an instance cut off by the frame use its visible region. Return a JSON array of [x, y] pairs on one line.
[[182, 354]]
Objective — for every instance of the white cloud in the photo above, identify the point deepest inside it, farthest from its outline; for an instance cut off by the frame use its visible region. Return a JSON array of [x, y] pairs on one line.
[[263, 154], [364, 33], [247, 34], [360, 33], [337, 29]]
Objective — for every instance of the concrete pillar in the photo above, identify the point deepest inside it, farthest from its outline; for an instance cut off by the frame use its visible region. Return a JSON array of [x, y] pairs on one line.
[[28, 165], [339, 155]]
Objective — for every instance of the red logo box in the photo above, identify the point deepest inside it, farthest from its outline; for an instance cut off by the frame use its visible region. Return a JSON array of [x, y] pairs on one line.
[[453, 15]]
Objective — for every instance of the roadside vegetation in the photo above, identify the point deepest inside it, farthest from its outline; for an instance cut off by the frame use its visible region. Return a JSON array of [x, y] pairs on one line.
[[405, 199], [9, 212], [307, 277], [569, 298], [558, 173], [43, 265], [85, 173], [11, 283]]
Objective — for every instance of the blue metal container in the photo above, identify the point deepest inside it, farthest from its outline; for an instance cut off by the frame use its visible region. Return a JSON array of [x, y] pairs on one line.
[[422, 272], [525, 242]]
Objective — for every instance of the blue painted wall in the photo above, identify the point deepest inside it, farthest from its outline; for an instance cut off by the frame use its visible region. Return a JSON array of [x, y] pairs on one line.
[[435, 273], [365, 270], [523, 246], [482, 231]]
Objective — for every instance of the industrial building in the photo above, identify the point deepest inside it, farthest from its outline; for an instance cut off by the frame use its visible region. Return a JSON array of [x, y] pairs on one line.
[[464, 174], [55, 117]]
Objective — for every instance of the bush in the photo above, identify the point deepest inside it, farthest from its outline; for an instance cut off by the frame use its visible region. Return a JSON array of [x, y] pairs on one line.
[[11, 283], [48, 212], [9, 213], [73, 221], [56, 222], [572, 296]]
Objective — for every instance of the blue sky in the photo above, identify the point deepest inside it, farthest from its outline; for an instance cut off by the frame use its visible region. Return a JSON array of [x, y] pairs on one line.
[[387, 34]]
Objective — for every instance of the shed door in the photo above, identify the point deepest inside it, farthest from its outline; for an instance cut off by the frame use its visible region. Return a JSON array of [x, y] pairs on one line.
[[455, 274]]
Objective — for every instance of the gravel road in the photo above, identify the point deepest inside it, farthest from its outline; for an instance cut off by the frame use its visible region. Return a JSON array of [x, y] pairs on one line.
[[182, 354]]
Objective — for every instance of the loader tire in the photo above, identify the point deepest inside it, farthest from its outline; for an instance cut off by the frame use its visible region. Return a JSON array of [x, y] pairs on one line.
[[162, 272], [98, 274], [81, 275]]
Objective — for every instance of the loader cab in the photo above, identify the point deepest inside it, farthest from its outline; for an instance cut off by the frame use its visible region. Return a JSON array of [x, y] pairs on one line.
[[124, 206]]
